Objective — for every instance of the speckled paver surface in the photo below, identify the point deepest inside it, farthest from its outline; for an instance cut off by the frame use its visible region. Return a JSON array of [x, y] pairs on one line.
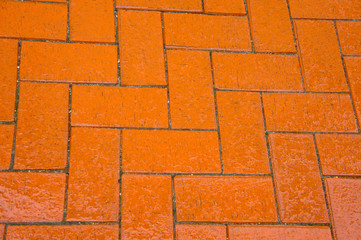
[[180, 119]]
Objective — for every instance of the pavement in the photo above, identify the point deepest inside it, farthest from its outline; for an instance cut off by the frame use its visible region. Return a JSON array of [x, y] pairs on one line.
[[180, 119]]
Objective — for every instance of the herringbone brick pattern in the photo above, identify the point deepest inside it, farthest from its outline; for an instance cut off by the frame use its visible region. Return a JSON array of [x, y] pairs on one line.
[[180, 119]]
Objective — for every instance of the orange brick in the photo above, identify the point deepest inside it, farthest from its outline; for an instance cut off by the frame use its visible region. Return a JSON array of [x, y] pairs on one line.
[[192, 31], [279, 232], [271, 26], [33, 20], [30, 232], [146, 207], [93, 175], [92, 21], [8, 75], [32, 197], [353, 66], [320, 56], [327, 9], [66, 62], [141, 48], [119, 107], [243, 141], [170, 151], [256, 71], [225, 199], [297, 178], [300, 112], [194, 232], [340, 154], [349, 36], [6, 145], [191, 90], [344, 197], [42, 129], [226, 7], [169, 5]]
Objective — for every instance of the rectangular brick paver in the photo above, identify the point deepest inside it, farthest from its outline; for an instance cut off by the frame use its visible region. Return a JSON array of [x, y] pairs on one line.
[[32, 197], [119, 107], [141, 48], [340, 154], [168, 5], [320, 56], [191, 90], [171, 151], [190, 232], [93, 175], [6, 146], [350, 37], [344, 197], [325, 9], [271, 26], [147, 207], [42, 127], [256, 72], [8, 75], [297, 178], [244, 147], [192, 31], [233, 7], [225, 199], [63, 232], [279, 232], [33, 20], [300, 112], [92, 21], [65, 62]]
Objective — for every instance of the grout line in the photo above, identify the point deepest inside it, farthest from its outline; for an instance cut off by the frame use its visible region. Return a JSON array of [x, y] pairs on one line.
[[58, 41], [269, 159], [297, 47], [67, 223], [150, 129], [346, 78], [166, 70], [68, 23], [17, 96], [323, 186], [116, 25], [120, 183], [224, 50], [174, 209], [40, 1], [216, 114], [34, 170], [200, 174], [203, 11], [181, 11], [248, 13], [343, 176], [227, 232], [277, 91], [93, 84], [68, 157], [328, 19], [340, 133], [5, 232], [6, 123], [255, 224]]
